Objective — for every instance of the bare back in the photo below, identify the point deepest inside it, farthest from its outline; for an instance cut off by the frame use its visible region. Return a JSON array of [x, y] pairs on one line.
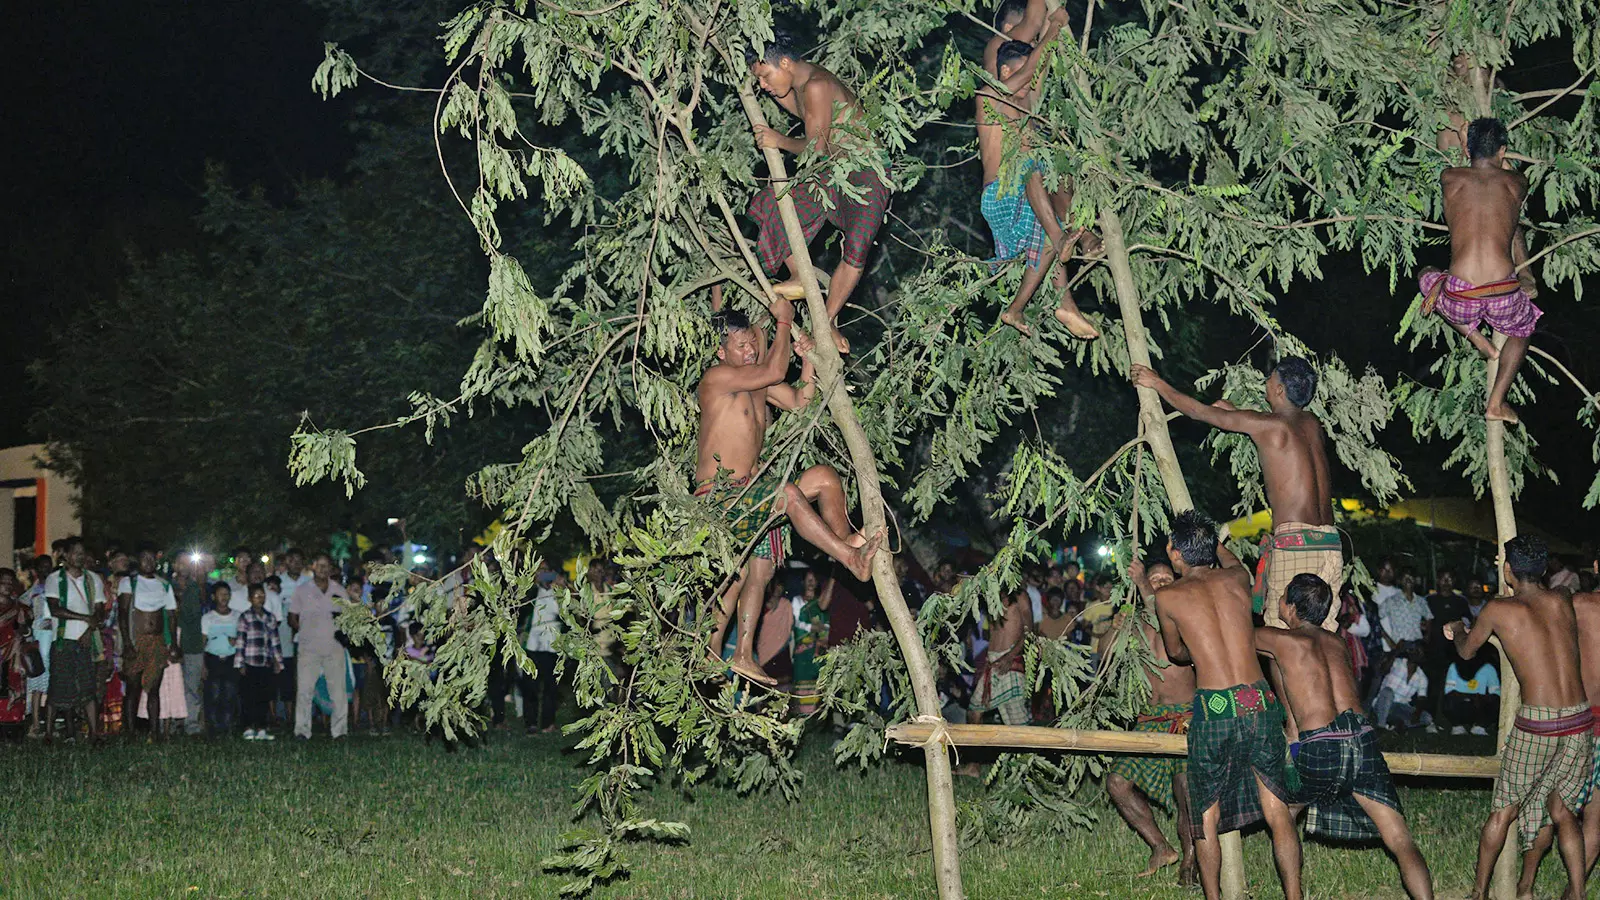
[[1205, 617], [1173, 683], [1318, 683], [1538, 631], [995, 115], [1294, 463], [1586, 608], [1481, 206]]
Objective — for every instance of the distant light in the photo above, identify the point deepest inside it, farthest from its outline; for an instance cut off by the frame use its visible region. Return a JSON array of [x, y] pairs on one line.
[[265, 559], [394, 521], [1104, 550], [194, 556], [420, 558]]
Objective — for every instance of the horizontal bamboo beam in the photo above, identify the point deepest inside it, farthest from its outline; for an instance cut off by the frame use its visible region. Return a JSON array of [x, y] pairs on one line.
[[1033, 737]]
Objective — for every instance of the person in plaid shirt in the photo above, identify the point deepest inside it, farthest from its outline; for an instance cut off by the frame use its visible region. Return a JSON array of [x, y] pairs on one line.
[[259, 659], [823, 103]]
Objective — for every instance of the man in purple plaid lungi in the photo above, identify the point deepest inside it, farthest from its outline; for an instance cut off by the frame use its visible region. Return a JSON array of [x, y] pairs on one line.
[[1488, 278], [822, 102]]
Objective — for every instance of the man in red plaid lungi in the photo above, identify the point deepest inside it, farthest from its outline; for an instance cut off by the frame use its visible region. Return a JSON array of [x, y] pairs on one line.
[[822, 102], [1488, 279]]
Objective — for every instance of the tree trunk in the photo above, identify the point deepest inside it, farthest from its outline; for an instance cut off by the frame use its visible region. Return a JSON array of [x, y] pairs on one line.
[[830, 379], [1152, 418], [1153, 425], [1509, 865]]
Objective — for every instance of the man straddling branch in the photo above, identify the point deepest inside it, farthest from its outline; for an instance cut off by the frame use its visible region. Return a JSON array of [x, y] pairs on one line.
[[1343, 778], [1236, 742], [1482, 202], [823, 104], [1294, 463], [1014, 203], [1134, 782], [1548, 757], [734, 395]]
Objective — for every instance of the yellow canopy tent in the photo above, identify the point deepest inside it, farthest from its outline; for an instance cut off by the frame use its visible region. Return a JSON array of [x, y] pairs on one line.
[[1457, 515]]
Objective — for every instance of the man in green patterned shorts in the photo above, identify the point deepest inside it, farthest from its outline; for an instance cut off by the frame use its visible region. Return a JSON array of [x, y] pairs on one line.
[[1134, 782], [1237, 749], [734, 395]]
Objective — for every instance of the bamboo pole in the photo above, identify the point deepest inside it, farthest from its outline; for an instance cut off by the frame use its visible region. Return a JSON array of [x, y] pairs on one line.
[[1508, 866], [1032, 737], [830, 378]]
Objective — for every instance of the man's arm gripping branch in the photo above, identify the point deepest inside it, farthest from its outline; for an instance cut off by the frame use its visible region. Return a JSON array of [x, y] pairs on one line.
[[787, 396], [1469, 641], [767, 372], [1226, 417]]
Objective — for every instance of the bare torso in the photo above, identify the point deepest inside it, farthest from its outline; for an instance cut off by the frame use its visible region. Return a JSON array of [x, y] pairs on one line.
[[1004, 634], [1208, 612], [1538, 631], [1586, 607], [1173, 683], [1481, 206], [1294, 462], [1318, 683], [733, 428], [995, 115], [820, 92]]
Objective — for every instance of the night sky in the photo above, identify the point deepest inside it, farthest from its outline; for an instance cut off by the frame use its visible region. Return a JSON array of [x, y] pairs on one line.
[[115, 109]]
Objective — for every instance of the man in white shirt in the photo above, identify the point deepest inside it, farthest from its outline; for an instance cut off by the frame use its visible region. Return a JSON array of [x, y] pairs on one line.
[[1397, 698], [539, 697], [148, 612], [76, 599], [294, 574], [311, 612]]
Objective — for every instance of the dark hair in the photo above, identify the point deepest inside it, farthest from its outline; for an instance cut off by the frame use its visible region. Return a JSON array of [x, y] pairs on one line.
[[70, 541], [1194, 536], [728, 321], [1158, 564], [414, 629], [1485, 138], [780, 48], [294, 551], [1008, 10], [1010, 52], [322, 554], [11, 572], [1310, 596], [255, 589], [221, 585], [42, 563], [1527, 555], [1056, 594], [1299, 380], [146, 547]]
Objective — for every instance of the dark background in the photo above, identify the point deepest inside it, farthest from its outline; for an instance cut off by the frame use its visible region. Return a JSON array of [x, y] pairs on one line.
[[114, 110]]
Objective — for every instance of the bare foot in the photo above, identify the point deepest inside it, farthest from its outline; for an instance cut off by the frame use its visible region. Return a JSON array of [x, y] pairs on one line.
[[860, 562], [747, 669], [1081, 327], [1189, 872], [791, 290], [1159, 860], [1485, 347], [1090, 242], [1502, 413], [1014, 319]]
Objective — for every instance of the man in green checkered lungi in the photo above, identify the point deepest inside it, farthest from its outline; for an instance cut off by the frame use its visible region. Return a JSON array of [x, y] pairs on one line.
[[1236, 745], [1343, 778]]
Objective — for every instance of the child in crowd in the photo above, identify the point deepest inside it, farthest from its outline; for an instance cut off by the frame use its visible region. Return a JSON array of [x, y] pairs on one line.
[[258, 657], [220, 627]]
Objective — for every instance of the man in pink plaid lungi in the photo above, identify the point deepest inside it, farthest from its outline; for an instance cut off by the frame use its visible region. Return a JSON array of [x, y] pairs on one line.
[[1488, 279], [822, 102]]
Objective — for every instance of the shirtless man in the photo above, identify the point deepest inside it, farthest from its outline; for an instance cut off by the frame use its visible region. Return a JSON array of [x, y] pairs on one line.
[[734, 395], [1586, 606], [820, 100], [148, 619], [1294, 462], [1548, 757], [1236, 742], [1488, 280], [1134, 781], [1001, 687], [1343, 777], [1015, 206]]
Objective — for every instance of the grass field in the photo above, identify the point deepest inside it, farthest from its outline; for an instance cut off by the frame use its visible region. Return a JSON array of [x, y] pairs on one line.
[[392, 817]]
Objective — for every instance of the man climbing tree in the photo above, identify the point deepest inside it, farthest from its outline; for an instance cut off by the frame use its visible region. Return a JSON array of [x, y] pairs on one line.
[[833, 122], [734, 395], [1294, 462], [1487, 281], [1013, 202]]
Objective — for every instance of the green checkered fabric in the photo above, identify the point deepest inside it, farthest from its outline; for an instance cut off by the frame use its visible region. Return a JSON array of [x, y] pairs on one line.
[[1533, 766], [1333, 771], [1232, 741], [1153, 774]]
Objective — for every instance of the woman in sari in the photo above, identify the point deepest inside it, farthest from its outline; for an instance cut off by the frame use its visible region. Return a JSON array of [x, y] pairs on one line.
[[13, 679], [810, 640]]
